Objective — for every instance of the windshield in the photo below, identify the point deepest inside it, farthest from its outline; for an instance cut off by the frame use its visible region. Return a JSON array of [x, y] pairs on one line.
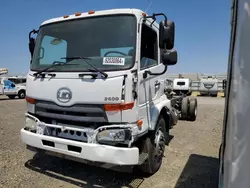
[[109, 42], [181, 83]]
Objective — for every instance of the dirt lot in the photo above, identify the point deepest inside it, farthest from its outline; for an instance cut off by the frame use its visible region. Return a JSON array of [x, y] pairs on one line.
[[191, 159]]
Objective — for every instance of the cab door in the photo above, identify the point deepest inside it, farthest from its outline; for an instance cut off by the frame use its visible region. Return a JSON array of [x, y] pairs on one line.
[[148, 84]]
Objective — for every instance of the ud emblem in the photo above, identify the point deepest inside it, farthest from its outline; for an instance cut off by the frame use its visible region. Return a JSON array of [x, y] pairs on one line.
[[64, 95]]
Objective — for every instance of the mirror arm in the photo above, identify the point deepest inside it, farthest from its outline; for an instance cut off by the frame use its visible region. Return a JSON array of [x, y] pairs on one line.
[[154, 17], [145, 74], [160, 14]]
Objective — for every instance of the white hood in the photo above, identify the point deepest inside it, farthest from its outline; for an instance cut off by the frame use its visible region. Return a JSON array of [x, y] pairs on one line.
[[83, 90]]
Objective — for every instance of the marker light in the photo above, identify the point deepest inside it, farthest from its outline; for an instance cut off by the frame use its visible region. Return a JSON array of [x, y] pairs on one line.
[[78, 14], [91, 12]]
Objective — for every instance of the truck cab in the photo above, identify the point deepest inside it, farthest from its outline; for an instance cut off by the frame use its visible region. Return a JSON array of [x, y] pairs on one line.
[[209, 86], [95, 88], [11, 89], [182, 86]]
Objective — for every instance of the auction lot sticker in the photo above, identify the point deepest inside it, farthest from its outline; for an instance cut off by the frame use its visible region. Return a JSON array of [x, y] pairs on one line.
[[113, 61]]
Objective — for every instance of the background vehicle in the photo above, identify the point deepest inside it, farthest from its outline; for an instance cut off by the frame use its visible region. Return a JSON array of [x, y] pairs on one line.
[[18, 79], [182, 86], [95, 89], [208, 86], [3, 71], [11, 89]]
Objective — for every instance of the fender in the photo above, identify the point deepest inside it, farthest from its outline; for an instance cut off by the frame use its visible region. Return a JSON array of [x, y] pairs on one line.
[[161, 105]]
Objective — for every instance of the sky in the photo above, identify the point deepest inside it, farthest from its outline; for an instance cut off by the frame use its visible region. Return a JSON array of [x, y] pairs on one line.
[[202, 29]]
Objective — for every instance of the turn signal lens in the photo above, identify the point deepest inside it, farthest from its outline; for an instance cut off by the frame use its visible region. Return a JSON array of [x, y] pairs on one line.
[[30, 100], [139, 123], [118, 107]]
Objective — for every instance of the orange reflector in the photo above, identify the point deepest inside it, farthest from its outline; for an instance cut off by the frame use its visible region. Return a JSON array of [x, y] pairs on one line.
[[91, 12], [139, 122], [65, 16], [118, 107], [78, 14], [30, 100], [144, 14]]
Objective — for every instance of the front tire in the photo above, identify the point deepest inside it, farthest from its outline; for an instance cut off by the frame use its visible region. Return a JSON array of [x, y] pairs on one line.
[[21, 94], [154, 146]]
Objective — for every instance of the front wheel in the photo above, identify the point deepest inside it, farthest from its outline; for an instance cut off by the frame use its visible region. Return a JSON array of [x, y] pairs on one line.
[[21, 94], [154, 146]]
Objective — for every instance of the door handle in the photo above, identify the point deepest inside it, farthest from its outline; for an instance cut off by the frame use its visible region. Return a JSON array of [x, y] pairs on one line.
[[157, 83]]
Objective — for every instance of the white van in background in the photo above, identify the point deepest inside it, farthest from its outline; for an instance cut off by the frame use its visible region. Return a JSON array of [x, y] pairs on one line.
[[182, 86], [11, 89]]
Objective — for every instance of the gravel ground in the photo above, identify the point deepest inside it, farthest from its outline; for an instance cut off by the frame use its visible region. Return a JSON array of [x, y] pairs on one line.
[[191, 159]]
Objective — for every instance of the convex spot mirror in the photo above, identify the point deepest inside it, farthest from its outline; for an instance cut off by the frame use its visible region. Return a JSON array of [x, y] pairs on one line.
[[166, 35], [169, 57]]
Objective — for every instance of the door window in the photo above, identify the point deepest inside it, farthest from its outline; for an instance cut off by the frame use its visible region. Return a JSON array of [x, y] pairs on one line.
[[149, 47], [8, 84]]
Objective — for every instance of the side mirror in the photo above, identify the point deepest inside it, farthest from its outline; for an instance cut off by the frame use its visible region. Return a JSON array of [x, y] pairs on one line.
[[169, 57], [32, 46], [32, 42], [166, 35]]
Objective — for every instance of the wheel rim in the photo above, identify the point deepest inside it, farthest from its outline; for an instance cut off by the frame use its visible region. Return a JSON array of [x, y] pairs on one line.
[[159, 145], [195, 111], [22, 95]]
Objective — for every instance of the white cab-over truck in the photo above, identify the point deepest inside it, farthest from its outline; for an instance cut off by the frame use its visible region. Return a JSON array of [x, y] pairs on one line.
[[182, 86], [95, 88]]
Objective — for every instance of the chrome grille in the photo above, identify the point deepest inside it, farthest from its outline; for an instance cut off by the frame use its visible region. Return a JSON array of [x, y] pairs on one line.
[[78, 113]]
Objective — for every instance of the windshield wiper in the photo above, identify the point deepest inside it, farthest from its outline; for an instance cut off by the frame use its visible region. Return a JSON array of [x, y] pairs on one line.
[[55, 64], [86, 60]]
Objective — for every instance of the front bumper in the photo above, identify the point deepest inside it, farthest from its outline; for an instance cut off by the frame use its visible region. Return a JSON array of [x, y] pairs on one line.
[[86, 151], [90, 150]]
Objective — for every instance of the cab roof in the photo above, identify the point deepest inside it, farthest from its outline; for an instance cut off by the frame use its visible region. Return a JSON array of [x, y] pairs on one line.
[[94, 13]]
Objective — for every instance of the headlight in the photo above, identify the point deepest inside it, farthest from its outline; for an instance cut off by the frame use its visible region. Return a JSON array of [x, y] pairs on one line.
[[115, 135], [30, 123]]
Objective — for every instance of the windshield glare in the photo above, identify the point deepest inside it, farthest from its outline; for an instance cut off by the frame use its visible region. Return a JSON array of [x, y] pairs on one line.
[[98, 38]]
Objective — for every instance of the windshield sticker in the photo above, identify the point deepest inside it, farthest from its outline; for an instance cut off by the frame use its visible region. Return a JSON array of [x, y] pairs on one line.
[[113, 61]]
